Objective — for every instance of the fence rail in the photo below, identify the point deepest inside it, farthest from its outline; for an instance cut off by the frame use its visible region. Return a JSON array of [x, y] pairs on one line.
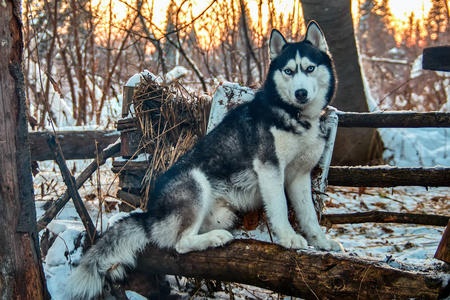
[[393, 119], [74, 144]]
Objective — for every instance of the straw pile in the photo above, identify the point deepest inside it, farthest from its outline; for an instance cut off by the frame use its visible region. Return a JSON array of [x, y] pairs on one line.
[[171, 119]]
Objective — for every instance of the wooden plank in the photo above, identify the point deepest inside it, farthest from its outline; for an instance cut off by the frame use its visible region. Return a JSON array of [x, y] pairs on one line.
[[74, 144], [387, 176], [394, 119], [436, 58], [128, 93]]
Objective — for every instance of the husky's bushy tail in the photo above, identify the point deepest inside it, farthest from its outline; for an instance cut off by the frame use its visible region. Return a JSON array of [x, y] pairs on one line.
[[113, 254]]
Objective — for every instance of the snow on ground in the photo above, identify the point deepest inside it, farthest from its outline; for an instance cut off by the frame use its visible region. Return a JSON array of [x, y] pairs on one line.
[[412, 244]]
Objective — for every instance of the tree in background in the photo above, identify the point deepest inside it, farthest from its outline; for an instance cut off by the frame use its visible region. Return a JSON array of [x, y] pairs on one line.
[[227, 41], [353, 146]]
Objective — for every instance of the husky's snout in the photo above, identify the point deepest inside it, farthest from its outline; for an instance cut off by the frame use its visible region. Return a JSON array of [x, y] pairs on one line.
[[301, 95]]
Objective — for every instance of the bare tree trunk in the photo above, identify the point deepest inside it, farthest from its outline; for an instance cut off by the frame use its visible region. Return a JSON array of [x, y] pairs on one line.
[[335, 18], [79, 68], [21, 275]]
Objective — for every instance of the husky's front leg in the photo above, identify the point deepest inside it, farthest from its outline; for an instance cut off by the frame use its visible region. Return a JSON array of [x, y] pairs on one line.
[[271, 184], [299, 192]]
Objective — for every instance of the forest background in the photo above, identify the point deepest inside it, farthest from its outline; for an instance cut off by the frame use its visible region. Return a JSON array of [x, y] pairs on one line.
[[79, 54]]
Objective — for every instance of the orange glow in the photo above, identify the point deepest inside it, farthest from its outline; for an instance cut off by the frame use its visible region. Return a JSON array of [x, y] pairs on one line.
[[210, 26]]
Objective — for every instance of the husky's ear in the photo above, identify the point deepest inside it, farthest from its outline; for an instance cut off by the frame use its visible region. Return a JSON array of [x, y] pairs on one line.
[[315, 36], [276, 43]]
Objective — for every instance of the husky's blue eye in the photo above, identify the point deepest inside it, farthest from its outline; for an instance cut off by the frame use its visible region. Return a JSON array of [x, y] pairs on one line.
[[310, 69], [288, 71]]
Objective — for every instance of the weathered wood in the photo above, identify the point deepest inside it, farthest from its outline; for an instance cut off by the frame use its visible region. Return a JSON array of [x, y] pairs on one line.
[[128, 123], [21, 274], [436, 58], [443, 250], [305, 274], [376, 176], [386, 176], [74, 144], [394, 119], [385, 217], [128, 92], [69, 180], [55, 208]]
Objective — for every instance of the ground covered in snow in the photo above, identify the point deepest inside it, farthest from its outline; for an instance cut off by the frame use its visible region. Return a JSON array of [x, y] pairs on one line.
[[412, 244]]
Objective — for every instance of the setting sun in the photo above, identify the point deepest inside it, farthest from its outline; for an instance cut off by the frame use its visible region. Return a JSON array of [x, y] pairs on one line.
[[402, 11]]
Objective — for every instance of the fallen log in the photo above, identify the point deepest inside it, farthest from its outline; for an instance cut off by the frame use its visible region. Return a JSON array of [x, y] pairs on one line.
[[305, 274], [74, 144], [387, 176], [386, 217]]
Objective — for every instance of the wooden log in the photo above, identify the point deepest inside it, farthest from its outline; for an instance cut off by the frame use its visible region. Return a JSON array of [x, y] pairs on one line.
[[394, 119], [51, 213], [443, 250], [69, 180], [436, 58], [21, 272], [387, 176], [74, 144], [386, 217], [304, 274]]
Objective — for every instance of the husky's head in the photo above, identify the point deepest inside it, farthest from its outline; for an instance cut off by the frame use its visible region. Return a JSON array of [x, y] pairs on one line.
[[302, 73]]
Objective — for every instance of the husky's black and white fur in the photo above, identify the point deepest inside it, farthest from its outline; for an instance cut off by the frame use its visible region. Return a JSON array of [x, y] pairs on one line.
[[260, 151]]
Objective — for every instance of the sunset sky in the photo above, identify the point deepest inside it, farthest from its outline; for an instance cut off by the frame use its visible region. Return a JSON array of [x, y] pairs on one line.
[[401, 9]]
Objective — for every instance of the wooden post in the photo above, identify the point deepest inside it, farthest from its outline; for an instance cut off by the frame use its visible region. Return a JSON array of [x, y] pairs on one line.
[[21, 274], [443, 250]]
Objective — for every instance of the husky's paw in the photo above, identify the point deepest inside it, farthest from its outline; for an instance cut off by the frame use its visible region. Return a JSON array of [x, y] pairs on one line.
[[293, 241], [220, 237], [328, 245]]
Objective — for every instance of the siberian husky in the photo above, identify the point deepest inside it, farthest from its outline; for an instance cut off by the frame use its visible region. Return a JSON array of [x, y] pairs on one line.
[[260, 155]]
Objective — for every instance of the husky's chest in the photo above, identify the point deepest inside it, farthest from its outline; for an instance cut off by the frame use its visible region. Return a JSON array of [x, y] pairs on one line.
[[299, 151]]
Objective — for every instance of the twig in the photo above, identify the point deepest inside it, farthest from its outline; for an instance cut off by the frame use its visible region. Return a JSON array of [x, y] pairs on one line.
[[360, 285], [268, 228], [303, 278]]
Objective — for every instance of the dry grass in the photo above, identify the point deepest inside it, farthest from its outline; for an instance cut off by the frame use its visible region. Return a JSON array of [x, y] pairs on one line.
[[171, 119]]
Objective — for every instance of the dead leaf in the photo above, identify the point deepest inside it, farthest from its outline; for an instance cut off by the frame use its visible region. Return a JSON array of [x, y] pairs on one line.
[[90, 197], [251, 220], [387, 230], [361, 190]]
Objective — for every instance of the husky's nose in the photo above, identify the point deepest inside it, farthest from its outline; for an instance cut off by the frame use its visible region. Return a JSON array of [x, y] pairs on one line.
[[301, 95]]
